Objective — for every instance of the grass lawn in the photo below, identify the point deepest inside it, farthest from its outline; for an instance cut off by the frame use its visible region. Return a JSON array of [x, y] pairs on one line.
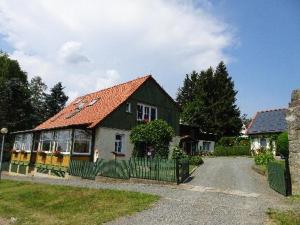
[[290, 217], [33, 203]]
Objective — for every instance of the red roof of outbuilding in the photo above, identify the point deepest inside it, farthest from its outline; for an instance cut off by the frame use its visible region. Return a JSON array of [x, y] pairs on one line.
[[82, 111]]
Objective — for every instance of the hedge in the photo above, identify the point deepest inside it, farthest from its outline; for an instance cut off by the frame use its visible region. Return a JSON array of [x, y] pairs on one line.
[[232, 151]]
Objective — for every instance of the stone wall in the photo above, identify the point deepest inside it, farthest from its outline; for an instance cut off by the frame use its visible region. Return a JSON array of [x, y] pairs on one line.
[[293, 120]]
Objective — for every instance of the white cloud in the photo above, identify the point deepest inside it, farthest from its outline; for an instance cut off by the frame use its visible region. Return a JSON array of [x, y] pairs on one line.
[[93, 44]]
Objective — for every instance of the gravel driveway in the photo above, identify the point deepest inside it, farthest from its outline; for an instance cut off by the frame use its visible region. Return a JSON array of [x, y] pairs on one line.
[[222, 191]]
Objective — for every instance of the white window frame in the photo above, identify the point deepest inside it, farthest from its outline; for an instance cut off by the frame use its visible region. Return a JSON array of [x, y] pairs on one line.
[[143, 115], [266, 141], [128, 107], [69, 143], [122, 143], [83, 139], [52, 143]]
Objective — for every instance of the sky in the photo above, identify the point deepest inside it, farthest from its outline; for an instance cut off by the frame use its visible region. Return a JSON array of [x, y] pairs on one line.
[[90, 45]]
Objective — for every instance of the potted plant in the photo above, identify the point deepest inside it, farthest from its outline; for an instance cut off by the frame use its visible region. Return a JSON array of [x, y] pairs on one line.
[[58, 154]]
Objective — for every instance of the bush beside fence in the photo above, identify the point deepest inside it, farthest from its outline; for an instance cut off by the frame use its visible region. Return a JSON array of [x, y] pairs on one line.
[[232, 151]]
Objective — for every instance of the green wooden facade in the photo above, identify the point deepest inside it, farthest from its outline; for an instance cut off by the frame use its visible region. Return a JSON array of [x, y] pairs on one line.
[[150, 93]]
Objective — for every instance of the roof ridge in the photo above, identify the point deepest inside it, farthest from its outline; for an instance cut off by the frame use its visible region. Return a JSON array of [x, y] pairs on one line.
[[116, 85], [272, 110]]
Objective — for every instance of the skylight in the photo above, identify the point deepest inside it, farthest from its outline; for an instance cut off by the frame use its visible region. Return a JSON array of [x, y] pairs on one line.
[[93, 101]]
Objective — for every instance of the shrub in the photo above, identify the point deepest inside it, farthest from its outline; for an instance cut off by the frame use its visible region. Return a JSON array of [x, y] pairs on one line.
[[264, 158], [178, 153], [196, 160], [157, 134], [232, 151], [283, 144]]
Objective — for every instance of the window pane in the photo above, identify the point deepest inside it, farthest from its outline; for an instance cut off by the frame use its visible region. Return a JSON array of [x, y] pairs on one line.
[[146, 113], [139, 112], [153, 113], [81, 134], [62, 146], [263, 142], [81, 146], [47, 136], [46, 146], [27, 142]]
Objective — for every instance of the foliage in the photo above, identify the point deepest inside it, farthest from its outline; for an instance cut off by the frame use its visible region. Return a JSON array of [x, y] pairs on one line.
[[32, 203], [231, 151], [233, 141], [290, 217], [15, 113], [196, 160], [213, 111], [56, 100], [37, 90], [178, 153], [283, 144], [156, 134], [24, 105], [264, 158]]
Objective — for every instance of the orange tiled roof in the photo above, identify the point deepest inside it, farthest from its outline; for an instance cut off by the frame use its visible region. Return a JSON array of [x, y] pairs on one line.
[[82, 112]]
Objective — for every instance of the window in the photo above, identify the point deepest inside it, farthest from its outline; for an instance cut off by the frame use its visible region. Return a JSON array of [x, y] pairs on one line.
[[27, 142], [128, 107], [263, 143], [18, 142], [46, 141], [119, 143], [146, 112], [140, 110], [153, 114], [82, 142], [23, 142], [206, 145], [63, 141]]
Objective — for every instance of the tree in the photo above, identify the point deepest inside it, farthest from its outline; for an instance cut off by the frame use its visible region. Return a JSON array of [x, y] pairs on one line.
[[56, 100], [283, 144], [37, 90], [156, 134], [210, 104], [15, 104]]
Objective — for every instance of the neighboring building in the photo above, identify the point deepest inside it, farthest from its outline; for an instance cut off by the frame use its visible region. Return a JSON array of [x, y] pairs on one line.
[[193, 140], [265, 126], [97, 125]]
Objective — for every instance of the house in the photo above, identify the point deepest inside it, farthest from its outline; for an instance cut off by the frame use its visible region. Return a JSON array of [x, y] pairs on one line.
[[96, 125], [265, 127], [193, 140]]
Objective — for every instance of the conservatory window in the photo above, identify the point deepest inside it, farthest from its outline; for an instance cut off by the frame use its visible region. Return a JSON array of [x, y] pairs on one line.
[[46, 143], [27, 142], [23, 142], [18, 142], [63, 141], [82, 142]]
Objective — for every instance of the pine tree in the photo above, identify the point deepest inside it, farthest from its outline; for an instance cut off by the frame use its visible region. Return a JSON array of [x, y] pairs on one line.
[[212, 106], [37, 90], [56, 100]]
